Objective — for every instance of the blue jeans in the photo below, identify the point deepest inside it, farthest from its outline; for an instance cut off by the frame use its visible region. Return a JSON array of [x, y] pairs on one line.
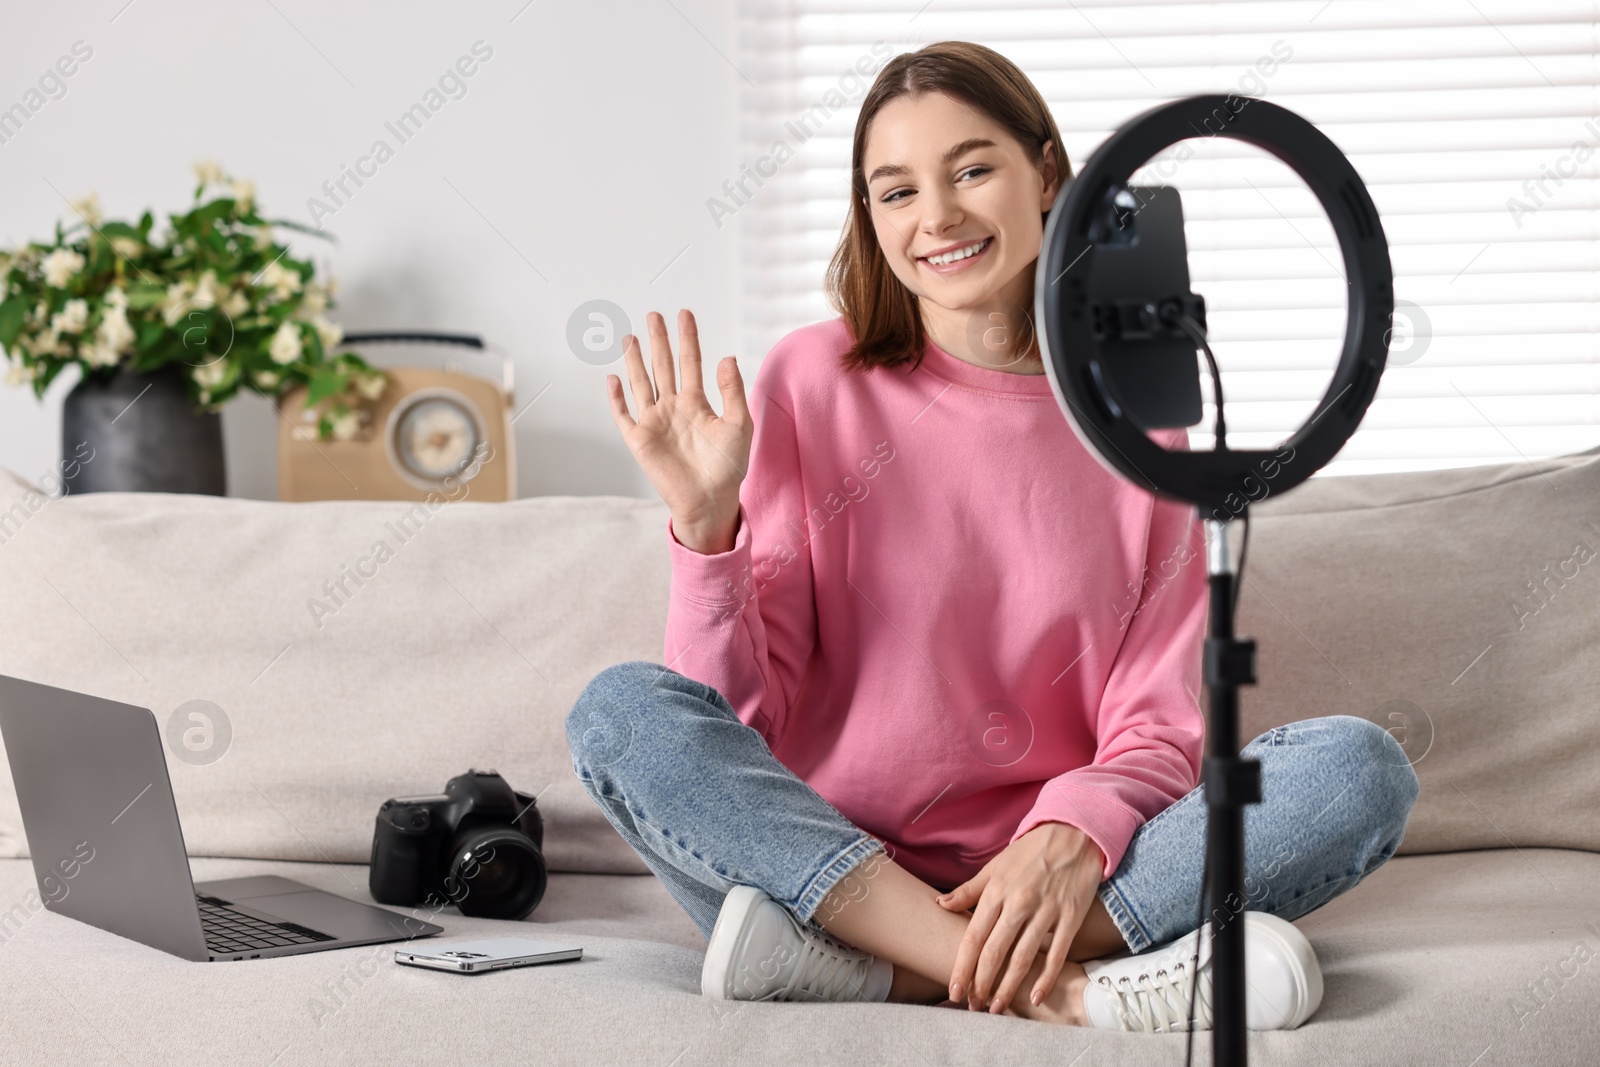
[[706, 805]]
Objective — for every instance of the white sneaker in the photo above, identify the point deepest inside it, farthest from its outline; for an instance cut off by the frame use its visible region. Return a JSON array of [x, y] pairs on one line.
[[759, 951], [1150, 991]]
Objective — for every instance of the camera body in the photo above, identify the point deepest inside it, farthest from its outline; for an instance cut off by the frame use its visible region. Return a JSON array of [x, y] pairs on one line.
[[476, 845]]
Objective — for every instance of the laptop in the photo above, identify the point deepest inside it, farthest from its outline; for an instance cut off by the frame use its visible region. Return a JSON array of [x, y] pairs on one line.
[[102, 828]]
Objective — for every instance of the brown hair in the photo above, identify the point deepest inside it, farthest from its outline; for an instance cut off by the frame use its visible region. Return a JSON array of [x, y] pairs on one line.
[[880, 311]]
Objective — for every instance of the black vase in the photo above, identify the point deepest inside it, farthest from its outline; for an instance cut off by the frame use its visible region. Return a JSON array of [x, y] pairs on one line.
[[123, 431]]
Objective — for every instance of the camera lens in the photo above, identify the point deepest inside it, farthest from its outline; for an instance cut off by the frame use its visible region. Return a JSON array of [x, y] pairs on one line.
[[496, 873]]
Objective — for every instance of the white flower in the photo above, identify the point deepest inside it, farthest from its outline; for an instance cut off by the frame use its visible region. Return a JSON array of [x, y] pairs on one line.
[[280, 279], [176, 302], [210, 375], [346, 425], [60, 265], [315, 301], [236, 304], [244, 193], [115, 335], [206, 292], [46, 343], [20, 375], [127, 247], [267, 379], [72, 318], [330, 333], [100, 354], [371, 386], [117, 297], [208, 171], [285, 344], [89, 209]]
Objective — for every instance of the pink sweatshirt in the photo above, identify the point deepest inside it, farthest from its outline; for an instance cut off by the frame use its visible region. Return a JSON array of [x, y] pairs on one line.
[[944, 614]]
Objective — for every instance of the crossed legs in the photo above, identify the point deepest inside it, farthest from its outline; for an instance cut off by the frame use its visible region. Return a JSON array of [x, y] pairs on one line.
[[881, 908]]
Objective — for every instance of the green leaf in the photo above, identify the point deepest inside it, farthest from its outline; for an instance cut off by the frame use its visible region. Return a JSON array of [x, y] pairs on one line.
[[48, 375], [100, 258], [311, 342], [205, 335], [121, 229], [11, 316], [216, 209], [325, 382], [150, 333], [145, 295], [144, 362]]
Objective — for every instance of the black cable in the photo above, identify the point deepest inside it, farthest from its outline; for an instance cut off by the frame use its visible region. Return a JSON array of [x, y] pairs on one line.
[[1186, 321], [1189, 326]]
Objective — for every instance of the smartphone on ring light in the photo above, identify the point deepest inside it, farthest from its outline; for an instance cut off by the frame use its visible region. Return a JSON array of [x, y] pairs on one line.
[[1143, 258], [486, 954]]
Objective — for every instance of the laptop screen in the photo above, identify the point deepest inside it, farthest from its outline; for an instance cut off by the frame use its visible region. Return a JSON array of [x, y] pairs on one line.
[[97, 809]]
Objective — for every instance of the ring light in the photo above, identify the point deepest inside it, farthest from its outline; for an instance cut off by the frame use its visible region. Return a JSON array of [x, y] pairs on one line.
[[1090, 396]]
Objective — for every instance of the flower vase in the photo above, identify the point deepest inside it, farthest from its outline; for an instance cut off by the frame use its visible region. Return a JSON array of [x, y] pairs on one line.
[[140, 432]]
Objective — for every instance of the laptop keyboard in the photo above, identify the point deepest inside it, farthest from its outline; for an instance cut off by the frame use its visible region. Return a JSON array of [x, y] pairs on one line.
[[230, 932]]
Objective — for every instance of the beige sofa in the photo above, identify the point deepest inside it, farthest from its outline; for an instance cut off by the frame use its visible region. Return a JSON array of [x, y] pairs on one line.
[[1409, 599]]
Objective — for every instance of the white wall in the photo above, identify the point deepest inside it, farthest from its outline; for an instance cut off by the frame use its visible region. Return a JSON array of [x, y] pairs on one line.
[[590, 141]]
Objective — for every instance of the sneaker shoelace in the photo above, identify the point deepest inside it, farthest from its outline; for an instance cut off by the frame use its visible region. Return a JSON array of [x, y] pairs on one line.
[[1158, 1003], [826, 970]]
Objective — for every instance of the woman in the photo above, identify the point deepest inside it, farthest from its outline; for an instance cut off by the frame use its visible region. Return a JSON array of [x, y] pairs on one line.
[[928, 721]]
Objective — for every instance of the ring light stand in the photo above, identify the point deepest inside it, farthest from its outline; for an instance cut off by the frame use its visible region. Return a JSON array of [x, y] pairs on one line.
[[1220, 482]]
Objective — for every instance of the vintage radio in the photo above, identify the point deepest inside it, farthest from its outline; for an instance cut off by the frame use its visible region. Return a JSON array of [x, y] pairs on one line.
[[436, 430]]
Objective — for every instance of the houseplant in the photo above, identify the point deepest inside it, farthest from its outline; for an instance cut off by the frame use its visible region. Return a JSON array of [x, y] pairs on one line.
[[166, 328]]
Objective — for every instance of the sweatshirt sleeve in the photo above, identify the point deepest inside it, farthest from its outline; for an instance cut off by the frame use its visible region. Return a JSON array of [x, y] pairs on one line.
[[1149, 725], [744, 621]]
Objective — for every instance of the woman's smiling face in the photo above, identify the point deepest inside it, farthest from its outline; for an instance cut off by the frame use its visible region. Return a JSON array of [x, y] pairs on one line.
[[943, 177]]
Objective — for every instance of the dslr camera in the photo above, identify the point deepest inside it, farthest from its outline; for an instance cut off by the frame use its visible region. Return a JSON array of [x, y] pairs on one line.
[[476, 845]]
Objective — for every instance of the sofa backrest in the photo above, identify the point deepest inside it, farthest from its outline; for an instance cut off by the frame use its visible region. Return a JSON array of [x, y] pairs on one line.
[[1458, 609], [363, 650], [359, 650]]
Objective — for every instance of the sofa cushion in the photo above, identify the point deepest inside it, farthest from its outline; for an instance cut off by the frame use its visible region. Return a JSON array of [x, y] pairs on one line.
[[1453, 959], [1459, 609], [473, 631]]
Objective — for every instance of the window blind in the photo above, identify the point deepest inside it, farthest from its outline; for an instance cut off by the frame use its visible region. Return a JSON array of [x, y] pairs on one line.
[[1474, 123]]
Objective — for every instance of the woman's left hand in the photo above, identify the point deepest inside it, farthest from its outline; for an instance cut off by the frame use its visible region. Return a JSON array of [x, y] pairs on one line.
[[1045, 879]]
